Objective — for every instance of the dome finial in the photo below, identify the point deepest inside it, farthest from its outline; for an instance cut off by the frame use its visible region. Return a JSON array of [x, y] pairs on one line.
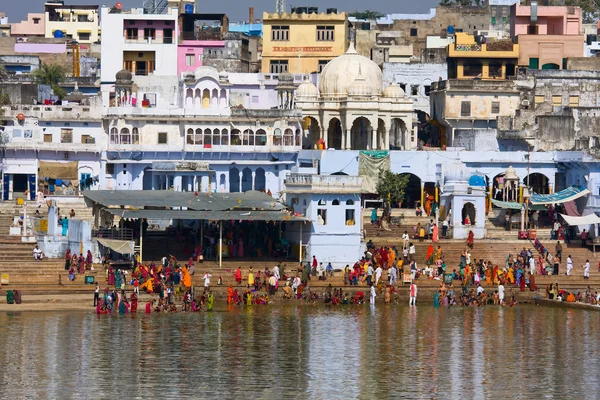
[[351, 49]]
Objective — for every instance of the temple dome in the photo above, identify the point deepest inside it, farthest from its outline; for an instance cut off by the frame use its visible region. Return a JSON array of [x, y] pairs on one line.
[[124, 76], [360, 87], [342, 71], [511, 174], [307, 89], [393, 91], [457, 171]]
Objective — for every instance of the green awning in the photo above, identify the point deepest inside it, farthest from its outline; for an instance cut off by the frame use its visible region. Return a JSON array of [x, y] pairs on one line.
[[510, 205]]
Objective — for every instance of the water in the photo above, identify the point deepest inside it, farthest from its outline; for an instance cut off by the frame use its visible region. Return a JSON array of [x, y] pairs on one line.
[[304, 352]]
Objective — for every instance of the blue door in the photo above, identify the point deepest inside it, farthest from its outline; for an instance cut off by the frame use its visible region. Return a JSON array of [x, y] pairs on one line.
[[32, 187], [83, 182], [6, 186]]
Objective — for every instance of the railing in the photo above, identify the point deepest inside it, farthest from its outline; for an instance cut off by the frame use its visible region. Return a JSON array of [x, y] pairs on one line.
[[323, 180], [117, 233]]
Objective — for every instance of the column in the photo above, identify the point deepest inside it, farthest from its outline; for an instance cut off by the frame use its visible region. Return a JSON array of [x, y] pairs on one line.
[[343, 146], [324, 137], [386, 139], [348, 139], [177, 183], [190, 183], [550, 188], [374, 139], [253, 179], [520, 194], [240, 188], [422, 194]]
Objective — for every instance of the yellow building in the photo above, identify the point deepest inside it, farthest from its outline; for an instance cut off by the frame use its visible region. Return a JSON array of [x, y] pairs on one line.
[[468, 59], [302, 43], [77, 22]]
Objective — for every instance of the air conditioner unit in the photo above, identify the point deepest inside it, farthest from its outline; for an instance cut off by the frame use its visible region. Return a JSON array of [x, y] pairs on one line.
[[525, 103]]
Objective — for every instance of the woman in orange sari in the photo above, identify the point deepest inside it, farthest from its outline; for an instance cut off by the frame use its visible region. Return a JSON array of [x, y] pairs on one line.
[[229, 295], [186, 278], [428, 259], [435, 236], [471, 239], [495, 275], [488, 276]]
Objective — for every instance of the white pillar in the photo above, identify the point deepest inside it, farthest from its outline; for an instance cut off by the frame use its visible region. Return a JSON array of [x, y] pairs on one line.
[[343, 145], [386, 139], [348, 139], [374, 139], [253, 179], [240, 182]]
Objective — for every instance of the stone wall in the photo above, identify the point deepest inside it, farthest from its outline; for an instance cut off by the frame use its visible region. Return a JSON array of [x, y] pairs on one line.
[[476, 139]]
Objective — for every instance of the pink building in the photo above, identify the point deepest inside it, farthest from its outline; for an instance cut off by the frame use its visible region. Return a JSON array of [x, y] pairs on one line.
[[190, 53], [34, 26], [547, 35]]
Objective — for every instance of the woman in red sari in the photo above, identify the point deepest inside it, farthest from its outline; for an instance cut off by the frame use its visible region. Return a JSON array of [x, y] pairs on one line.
[[471, 239], [532, 286], [134, 303], [111, 276]]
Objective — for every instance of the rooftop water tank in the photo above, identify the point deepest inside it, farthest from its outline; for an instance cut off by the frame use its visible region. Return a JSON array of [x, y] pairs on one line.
[[58, 34], [189, 8], [450, 30]]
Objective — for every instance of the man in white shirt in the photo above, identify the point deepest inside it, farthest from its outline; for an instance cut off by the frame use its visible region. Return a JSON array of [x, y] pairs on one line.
[[206, 278], [532, 265], [479, 290], [569, 265], [378, 273], [373, 295], [501, 293], [413, 294], [405, 239], [37, 253], [412, 251], [586, 270], [276, 272]]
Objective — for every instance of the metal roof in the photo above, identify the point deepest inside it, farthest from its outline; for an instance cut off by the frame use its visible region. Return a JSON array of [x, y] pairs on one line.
[[172, 199], [207, 215]]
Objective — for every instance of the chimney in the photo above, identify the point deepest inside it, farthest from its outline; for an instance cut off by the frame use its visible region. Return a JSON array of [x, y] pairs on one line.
[[251, 15]]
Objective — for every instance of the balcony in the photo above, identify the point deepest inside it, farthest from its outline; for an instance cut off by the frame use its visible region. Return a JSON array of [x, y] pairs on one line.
[[148, 40], [51, 113], [498, 49], [304, 183]]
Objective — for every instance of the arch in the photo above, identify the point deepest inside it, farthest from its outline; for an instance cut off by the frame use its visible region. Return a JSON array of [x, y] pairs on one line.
[[135, 136], [288, 137], [125, 137], [114, 136], [236, 137], [538, 182], [322, 202], [246, 179], [224, 137], [207, 137], [223, 100], [311, 125], [501, 192], [277, 137], [398, 135], [248, 137], [334, 134], [205, 98], [222, 183], [189, 97], [470, 211], [260, 180], [189, 136], [349, 202], [234, 180], [197, 98], [361, 133], [216, 137], [550, 66], [335, 202], [214, 101], [147, 179], [198, 94], [261, 138], [412, 192], [297, 137]]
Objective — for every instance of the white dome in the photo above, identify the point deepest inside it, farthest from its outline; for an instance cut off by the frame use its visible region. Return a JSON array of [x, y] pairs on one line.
[[457, 171], [342, 71], [307, 89], [360, 87], [511, 174], [393, 91]]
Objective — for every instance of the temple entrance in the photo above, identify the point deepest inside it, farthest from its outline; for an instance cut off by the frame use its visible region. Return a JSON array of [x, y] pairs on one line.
[[334, 134], [468, 214], [412, 193], [538, 182], [398, 140]]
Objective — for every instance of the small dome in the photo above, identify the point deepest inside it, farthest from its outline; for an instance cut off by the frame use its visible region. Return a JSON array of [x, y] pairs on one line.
[[360, 87], [511, 174], [393, 91], [342, 71], [285, 77], [307, 89], [124, 76], [457, 171]]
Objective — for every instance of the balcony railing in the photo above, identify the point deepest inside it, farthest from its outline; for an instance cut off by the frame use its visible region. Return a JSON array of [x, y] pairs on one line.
[[324, 183]]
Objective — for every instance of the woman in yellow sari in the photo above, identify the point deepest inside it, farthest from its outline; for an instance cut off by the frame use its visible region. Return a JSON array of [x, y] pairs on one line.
[[510, 275], [250, 277], [488, 276], [186, 278]]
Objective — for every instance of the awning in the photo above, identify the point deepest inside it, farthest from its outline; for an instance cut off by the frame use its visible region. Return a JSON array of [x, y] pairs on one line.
[[510, 205], [583, 220], [120, 246], [58, 170], [257, 215], [570, 193]]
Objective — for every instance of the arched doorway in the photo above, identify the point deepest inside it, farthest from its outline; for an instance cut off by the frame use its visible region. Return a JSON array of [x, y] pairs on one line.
[[234, 180], [222, 183], [260, 180], [334, 134], [314, 133], [246, 180], [381, 134], [147, 179], [539, 183], [468, 210], [398, 135], [360, 133], [412, 192], [550, 66]]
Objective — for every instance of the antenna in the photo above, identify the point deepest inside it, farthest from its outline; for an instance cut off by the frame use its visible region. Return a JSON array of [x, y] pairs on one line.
[[154, 6], [279, 6]]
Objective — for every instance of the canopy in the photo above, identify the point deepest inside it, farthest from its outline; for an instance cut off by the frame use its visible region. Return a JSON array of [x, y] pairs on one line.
[[570, 193], [583, 220], [258, 215], [511, 205], [120, 246], [58, 170]]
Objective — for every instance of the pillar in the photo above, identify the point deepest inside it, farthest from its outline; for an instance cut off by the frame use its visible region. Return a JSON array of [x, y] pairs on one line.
[[190, 183], [549, 188], [522, 219], [343, 146], [324, 137], [253, 179], [177, 183], [520, 194], [437, 195], [422, 194], [240, 188], [348, 139], [386, 139], [373, 139]]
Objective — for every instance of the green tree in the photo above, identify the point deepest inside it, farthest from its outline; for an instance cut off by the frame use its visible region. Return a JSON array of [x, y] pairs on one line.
[[367, 14], [391, 187], [52, 75]]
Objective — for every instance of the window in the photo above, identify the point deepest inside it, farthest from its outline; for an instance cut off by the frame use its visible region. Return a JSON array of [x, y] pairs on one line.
[[86, 139], [109, 169], [288, 137], [224, 137], [532, 29], [325, 33], [149, 33], [190, 60], [114, 136], [350, 217], [427, 90], [279, 66], [207, 138], [335, 202], [135, 136], [47, 138], [84, 35], [66, 135], [321, 216], [132, 33], [261, 137], [564, 63], [534, 63], [248, 138], [473, 69], [493, 20], [277, 137], [414, 90], [573, 101], [194, 137], [322, 202], [539, 99], [557, 101], [349, 202], [162, 137], [322, 64], [495, 71], [413, 31], [495, 107], [36, 21], [280, 33], [465, 109], [125, 136]]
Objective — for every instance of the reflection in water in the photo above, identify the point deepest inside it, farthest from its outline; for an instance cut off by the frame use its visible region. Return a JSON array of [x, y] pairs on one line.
[[302, 352]]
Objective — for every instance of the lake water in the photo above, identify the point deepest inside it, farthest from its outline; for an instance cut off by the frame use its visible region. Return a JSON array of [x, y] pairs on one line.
[[266, 352]]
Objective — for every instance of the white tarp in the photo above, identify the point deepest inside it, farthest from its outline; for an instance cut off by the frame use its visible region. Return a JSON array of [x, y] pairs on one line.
[[583, 220], [120, 246]]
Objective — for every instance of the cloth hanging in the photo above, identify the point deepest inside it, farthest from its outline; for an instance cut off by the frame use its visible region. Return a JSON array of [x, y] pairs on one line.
[[369, 165]]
